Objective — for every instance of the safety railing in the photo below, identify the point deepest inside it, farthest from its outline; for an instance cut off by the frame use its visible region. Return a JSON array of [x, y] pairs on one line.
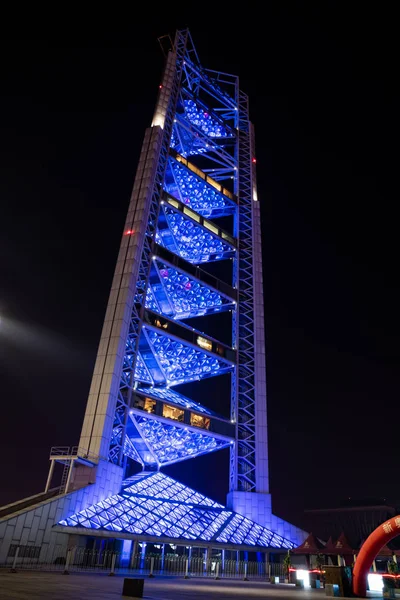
[[73, 451], [76, 559]]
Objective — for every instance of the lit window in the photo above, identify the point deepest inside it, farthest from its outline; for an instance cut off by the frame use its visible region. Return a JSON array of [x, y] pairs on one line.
[[227, 193], [171, 412], [173, 202], [204, 343], [191, 214], [199, 421], [158, 323], [226, 236], [181, 159], [145, 404], [216, 185], [196, 170], [150, 405], [211, 227]]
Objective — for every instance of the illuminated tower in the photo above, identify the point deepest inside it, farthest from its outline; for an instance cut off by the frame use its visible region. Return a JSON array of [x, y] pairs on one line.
[[189, 266], [194, 203]]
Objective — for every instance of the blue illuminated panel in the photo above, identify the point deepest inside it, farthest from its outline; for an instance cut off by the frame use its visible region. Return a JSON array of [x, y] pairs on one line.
[[185, 143], [191, 241], [153, 504], [186, 296], [182, 363], [162, 486], [130, 450], [204, 121], [141, 372], [236, 530], [170, 443], [196, 193], [151, 302], [169, 395]]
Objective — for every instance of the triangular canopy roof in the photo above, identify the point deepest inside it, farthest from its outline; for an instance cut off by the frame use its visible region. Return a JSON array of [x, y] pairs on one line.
[[339, 548], [311, 545], [329, 546], [385, 551], [153, 504]]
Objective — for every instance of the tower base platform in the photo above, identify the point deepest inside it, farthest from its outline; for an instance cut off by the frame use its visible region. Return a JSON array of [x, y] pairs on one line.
[[153, 505], [149, 507]]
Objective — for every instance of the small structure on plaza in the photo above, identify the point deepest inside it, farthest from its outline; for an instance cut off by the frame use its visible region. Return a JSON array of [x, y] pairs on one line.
[[340, 550], [311, 546]]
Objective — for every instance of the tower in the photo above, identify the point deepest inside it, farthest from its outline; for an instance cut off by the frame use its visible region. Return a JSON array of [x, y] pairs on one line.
[[186, 305], [194, 204]]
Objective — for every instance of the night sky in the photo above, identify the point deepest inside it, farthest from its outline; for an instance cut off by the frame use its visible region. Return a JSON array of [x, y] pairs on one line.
[[75, 101]]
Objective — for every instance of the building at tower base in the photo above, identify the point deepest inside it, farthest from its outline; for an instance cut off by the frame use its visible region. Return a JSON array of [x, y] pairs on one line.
[[149, 507], [186, 305]]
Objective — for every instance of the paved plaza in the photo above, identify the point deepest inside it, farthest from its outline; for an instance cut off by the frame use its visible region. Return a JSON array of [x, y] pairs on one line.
[[30, 585]]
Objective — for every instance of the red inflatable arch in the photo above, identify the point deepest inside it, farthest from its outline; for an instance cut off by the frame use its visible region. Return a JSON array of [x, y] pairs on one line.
[[378, 538]]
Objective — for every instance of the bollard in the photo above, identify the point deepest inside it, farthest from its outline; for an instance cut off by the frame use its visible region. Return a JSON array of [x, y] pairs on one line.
[[245, 578], [14, 566], [67, 561], [133, 588], [217, 571], [187, 569], [151, 574], [112, 572]]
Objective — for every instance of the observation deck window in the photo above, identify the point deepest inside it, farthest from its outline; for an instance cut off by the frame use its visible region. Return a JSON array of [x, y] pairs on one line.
[[172, 412], [199, 421]]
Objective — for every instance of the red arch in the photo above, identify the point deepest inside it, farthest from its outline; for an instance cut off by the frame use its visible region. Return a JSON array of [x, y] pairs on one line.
[[378, 538]]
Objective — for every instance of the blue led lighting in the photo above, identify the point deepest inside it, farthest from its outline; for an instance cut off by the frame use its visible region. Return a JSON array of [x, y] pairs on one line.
[[159, 485], [153, 504], [151, 302], [204, 121], [169, 395], [192, 242], [170, 443], [130, 450], [213, 84], [187, 297], [186, 143], [141, 371], [196, 193], [182, 363]]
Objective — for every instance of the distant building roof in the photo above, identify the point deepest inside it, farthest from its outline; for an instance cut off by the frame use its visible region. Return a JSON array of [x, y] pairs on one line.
[[357, 522]]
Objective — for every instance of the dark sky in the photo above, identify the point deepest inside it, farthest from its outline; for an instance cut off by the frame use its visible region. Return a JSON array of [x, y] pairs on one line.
[[75, 101]]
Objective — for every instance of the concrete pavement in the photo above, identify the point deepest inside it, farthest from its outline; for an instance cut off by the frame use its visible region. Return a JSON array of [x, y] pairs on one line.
[[31, 585]]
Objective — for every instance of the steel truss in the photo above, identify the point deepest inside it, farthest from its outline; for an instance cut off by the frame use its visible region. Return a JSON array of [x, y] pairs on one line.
[[153, 504], [203, 170], [169, 95]]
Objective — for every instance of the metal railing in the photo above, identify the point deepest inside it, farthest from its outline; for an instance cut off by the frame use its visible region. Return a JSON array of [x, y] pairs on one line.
[[73, 451], [76, 559]]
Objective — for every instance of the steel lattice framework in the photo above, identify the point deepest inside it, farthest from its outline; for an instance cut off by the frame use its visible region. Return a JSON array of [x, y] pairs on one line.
[[152, 504], [246, 472], [194, 204], [186, 305]]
